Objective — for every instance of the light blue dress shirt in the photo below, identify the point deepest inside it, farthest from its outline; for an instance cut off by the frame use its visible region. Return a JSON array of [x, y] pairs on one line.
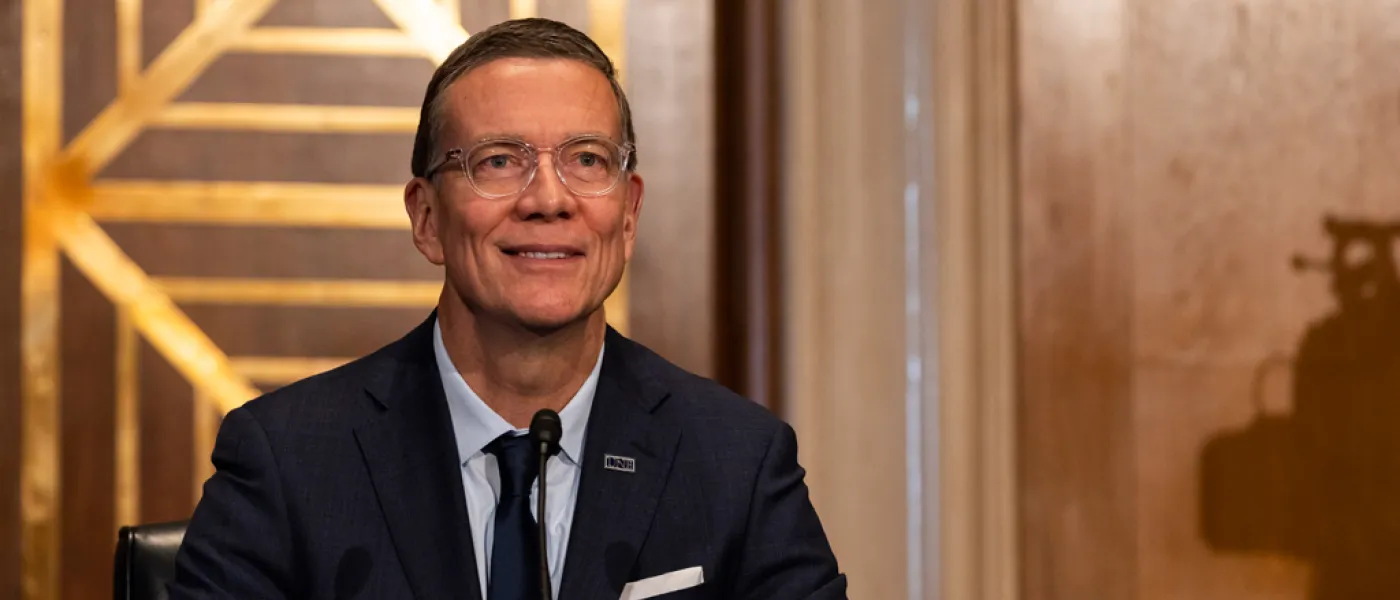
[[476, 425]]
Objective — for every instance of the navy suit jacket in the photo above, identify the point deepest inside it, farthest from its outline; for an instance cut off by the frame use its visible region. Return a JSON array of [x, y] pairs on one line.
[[348, 485]]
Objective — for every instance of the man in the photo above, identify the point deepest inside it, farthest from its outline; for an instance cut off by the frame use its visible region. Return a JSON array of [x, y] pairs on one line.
[[405, 474]]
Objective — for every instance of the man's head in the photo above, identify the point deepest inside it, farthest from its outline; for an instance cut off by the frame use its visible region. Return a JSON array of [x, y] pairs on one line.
[[524, 188], [521, 38]]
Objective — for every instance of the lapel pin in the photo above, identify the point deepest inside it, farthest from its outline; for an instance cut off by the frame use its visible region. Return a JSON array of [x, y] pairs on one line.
[[619, 463]]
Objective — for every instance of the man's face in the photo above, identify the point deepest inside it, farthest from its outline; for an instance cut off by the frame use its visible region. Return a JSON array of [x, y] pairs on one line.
[[545, 257]]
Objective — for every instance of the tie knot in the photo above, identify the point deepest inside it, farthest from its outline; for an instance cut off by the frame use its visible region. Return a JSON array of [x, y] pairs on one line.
[[517, 461]]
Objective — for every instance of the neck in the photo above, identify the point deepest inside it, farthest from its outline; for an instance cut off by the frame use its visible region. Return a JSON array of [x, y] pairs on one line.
[[517, 371]]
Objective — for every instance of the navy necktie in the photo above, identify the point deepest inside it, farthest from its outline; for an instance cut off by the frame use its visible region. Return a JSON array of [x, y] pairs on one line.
[[515, 547]]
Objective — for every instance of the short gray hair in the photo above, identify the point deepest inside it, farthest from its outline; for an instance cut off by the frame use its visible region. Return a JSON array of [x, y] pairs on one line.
[[520, 38]]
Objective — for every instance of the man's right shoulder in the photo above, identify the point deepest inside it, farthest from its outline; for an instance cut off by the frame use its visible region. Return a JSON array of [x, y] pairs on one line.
[[331, 400]]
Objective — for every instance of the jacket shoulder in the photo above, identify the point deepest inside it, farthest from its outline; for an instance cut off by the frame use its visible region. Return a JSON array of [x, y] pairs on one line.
[[332, 398], [697, 400]]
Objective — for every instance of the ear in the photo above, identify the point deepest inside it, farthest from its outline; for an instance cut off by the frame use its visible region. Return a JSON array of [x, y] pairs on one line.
[[632, 211], [420, 200]]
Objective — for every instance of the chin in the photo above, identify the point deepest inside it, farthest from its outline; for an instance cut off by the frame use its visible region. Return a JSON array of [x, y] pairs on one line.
[[544, 319]]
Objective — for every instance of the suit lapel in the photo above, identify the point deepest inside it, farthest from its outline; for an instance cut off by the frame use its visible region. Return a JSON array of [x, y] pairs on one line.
[[614, 509], [413, 463]]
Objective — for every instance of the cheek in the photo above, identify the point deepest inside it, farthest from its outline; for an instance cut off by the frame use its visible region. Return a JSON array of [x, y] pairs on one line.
[[607, 223], [472, 223]]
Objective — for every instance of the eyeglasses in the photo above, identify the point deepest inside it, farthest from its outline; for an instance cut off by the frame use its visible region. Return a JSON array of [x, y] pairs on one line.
[[587, 165]]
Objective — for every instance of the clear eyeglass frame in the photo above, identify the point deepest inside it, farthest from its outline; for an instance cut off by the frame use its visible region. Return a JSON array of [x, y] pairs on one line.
[[623, 152]]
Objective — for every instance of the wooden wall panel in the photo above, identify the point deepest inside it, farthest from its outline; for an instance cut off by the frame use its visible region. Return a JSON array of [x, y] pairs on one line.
[[181, 250], [480, 14], [11, 237], [87, 328], [325, 13], [573, 12], [1076, 450], [89, 74], [161, 21], [748, 198], [1228, 192], [670, 84], [330, 80], [332, 332], [266, 156], [89, 377], [167, 440]]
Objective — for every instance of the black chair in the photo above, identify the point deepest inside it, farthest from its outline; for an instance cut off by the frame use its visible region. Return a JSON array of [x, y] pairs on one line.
[[146, 560]]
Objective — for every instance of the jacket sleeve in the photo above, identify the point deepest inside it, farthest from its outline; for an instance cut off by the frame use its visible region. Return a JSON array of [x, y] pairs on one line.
[[786, 553], [238, 543]]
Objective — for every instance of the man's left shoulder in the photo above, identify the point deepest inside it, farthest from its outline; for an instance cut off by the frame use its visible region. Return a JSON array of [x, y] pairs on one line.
[[700, 404]]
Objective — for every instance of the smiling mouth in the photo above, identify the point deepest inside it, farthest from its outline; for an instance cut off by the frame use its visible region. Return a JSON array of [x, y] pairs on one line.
[[542, 254]]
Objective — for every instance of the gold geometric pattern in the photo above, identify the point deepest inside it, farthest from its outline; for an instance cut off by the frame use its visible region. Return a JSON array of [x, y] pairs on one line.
[[63, 203]]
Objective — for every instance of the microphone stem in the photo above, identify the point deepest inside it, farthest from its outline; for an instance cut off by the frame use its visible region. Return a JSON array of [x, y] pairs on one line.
[[542, 520]]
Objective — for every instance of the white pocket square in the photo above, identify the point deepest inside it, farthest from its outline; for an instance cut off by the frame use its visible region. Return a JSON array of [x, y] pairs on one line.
[[674, 581]]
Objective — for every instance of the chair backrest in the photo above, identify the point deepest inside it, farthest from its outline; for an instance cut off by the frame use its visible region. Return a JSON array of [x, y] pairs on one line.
[[145, 560]]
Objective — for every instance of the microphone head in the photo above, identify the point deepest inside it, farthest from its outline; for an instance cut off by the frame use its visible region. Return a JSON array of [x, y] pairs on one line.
[[546, 429]]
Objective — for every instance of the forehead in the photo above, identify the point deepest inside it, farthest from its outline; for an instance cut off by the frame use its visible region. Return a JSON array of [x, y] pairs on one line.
[[538, 100]]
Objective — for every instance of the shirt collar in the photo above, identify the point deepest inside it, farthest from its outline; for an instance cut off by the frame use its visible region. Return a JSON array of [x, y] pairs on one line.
[[476, 425]]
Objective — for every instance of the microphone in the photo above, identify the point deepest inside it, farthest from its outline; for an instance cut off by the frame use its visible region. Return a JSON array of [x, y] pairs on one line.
[[545, 432]]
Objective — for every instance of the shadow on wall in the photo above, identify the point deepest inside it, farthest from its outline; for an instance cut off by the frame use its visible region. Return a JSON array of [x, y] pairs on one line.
[[1322, 484]]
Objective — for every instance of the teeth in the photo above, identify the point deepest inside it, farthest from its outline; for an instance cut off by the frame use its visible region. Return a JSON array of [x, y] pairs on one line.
[[544, 255]]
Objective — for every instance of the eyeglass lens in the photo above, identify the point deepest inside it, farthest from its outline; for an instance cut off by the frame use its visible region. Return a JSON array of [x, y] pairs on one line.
[[587, 166]]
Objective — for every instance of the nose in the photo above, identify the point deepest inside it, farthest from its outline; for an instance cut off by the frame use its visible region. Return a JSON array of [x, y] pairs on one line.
[[546, 198]]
